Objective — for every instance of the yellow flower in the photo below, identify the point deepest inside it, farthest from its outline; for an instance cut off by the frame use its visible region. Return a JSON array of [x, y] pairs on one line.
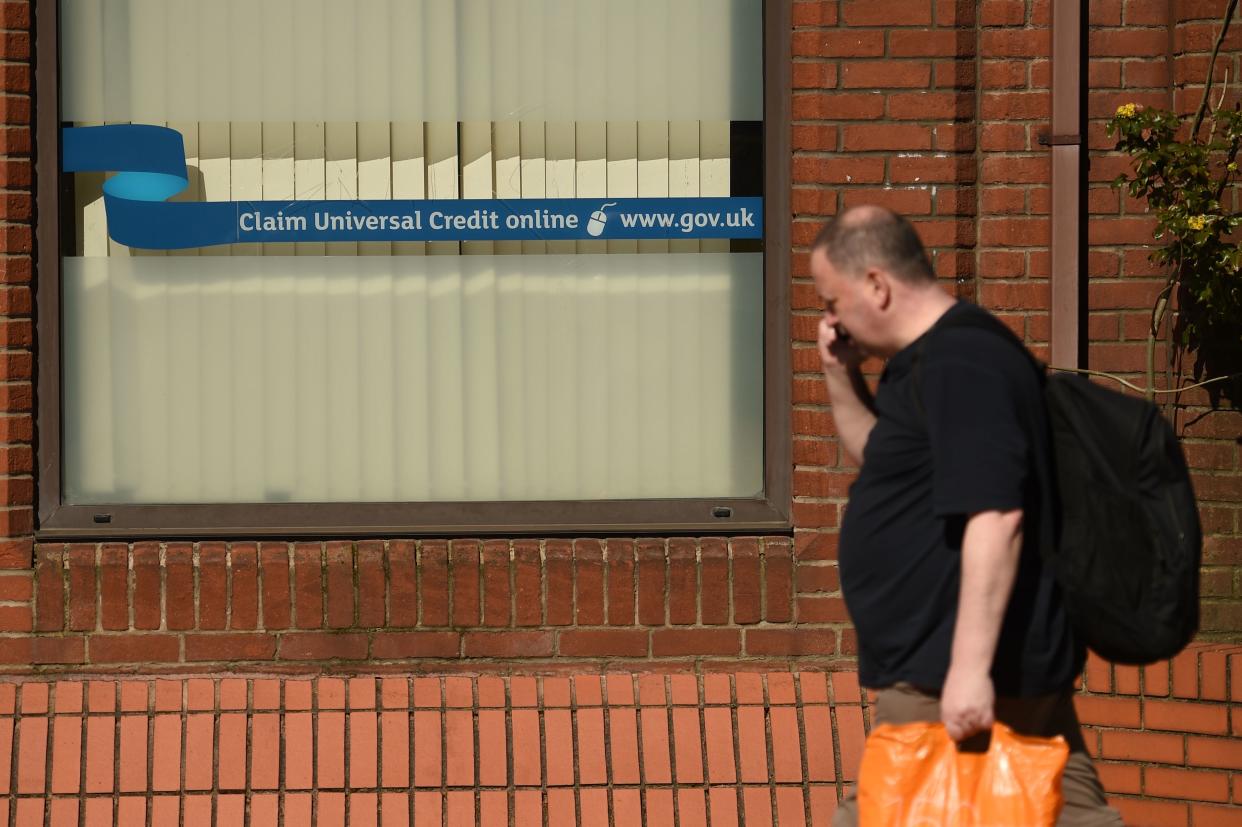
[[1127, 110], [1232, 166], [1197, 222]]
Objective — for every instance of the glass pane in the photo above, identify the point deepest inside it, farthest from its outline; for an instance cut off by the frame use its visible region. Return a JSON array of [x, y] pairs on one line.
[[314, 365]]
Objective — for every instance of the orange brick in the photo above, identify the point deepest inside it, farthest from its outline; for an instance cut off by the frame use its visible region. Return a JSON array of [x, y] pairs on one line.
[[135, 696], [101, 696], [656, 766], [721, 765], [1112, 712], [232, 693], [1156, 679], [1213, 752], [757, 804], [556, 691], [1206, 815], [63, 812], [845, 689], [528, 807], [299, 751], [165, 809], [200, 694], [199, 737], [691, 807], [330, 731], [789, 806], [363, 747], [1154, 813], [1181, 716], [166, 762], [659, 806], [623, 745], [752, 744], [591, 755], [1126, 679], [264, 810], [459, 743], [29, 811], [723, 801], [560, 807], [1193, 785], [1120, 778], [363, 809], [331, 810], [819, 753], [395, 763], [66, 754], [427, 748], [1212, 671], [298, 808], [100, 749], [231, 809], [852, 737], [1143, 746], [6, 754], [687, 745], [133, 774], [265, 761], [395, 809], [786, 754]]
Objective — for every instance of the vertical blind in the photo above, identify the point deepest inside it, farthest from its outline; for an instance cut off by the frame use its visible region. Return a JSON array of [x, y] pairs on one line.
[[318, 372]]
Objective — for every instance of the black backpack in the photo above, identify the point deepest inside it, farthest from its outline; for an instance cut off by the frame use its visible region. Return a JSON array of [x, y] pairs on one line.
[[1127, 545]]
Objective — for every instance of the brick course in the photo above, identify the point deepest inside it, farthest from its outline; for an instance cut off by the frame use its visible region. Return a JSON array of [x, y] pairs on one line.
[[307, 603], [518, 743]]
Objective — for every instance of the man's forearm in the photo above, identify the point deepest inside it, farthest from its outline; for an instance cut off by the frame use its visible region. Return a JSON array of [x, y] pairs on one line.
[[852, 408], [991, 546]]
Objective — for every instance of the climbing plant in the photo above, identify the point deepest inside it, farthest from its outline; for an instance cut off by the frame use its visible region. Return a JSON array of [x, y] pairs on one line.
[[1187, 171]]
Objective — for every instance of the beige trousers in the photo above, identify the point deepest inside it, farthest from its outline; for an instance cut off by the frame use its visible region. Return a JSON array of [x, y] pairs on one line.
[[1043, 716]]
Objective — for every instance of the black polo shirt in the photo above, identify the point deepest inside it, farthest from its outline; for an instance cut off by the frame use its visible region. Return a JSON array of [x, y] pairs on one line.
[[978, 442]]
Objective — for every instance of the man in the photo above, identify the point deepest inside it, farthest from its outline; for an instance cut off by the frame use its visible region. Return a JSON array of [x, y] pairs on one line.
[[957, 619]]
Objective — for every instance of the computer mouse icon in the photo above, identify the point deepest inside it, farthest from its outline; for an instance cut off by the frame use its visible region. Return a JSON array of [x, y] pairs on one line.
[[595, 227]]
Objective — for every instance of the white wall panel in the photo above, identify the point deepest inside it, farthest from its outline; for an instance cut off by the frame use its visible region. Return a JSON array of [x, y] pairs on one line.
[[117, 57]]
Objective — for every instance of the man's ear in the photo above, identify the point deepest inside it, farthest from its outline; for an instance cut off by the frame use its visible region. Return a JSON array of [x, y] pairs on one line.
[[879, 288]]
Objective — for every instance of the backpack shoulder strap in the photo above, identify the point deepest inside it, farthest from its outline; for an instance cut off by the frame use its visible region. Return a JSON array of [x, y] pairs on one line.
[[975, 321]]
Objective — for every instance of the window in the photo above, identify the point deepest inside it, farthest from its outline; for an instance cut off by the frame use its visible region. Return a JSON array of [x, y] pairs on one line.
[[413, 265]]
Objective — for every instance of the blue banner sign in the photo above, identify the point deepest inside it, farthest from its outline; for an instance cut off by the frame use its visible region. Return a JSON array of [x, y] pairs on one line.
[[150, 166]]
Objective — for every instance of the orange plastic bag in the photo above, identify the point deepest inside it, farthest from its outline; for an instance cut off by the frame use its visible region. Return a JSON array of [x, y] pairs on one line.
[[914, 776]]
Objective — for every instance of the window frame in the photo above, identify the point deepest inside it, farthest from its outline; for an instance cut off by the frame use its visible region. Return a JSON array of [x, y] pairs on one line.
[[770, 513]]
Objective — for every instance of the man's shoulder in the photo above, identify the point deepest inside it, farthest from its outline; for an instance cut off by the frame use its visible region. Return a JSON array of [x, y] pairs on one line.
[[971, 336]]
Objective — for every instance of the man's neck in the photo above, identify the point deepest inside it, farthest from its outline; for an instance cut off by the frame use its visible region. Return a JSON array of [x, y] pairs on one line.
[[926, 308]]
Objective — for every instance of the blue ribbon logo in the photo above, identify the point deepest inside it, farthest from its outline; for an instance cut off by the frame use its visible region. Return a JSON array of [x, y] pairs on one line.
[[149, 162]]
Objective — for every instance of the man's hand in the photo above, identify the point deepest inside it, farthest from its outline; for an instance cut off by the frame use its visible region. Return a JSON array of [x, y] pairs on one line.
[[836, 350], [967, 704], [852, 406], [991, 546]]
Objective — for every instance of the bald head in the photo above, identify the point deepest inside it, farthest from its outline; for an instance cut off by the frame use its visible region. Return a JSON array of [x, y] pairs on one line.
[[871, 236]]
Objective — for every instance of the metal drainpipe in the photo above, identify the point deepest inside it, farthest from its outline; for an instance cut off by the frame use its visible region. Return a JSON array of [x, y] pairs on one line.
[[1067, 253]]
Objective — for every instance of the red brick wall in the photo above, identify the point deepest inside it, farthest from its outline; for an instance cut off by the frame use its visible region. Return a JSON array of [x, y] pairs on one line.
[[1161, 737], [16, 325], [1166, 737], [933, 108], [429, 605]]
